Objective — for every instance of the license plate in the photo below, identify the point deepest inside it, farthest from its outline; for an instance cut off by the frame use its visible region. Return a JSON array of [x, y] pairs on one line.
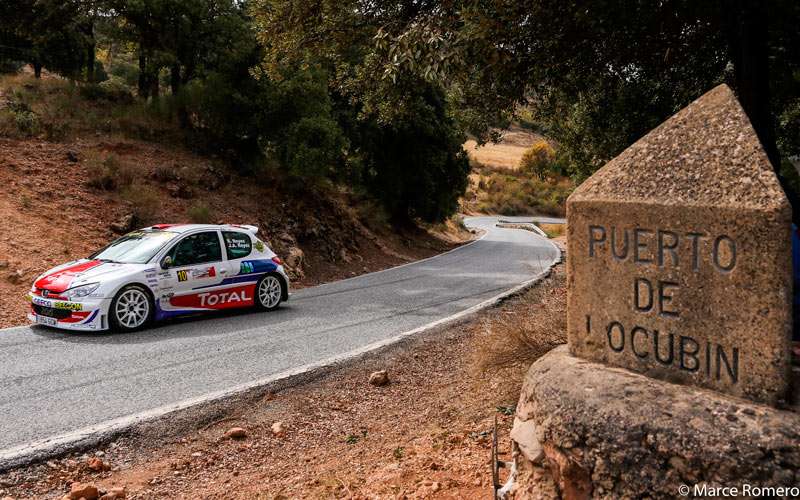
[[44, 320]]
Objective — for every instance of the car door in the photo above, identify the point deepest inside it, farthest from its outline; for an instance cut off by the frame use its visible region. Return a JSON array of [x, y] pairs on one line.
[[196, 271]]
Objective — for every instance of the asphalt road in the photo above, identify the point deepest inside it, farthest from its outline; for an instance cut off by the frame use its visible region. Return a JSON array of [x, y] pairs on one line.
[[54, 383]]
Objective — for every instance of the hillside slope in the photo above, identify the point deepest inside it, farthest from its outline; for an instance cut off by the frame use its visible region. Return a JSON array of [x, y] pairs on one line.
[[59, 200]]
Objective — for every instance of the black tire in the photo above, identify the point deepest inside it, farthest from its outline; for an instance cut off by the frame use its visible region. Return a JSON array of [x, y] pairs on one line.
[[127, 323], [269, 292]]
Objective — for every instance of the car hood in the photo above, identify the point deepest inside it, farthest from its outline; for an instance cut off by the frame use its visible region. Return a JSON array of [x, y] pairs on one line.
[[83, 271]]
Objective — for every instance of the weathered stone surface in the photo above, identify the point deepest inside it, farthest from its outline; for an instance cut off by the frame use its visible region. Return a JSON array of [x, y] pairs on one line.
[[524, 434], [236, 433], [680, 259], [278, 429], [635, 436], [83, 490], [379, 378]]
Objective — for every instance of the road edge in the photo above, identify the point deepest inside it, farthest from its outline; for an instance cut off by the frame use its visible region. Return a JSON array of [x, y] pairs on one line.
[[97, 434]]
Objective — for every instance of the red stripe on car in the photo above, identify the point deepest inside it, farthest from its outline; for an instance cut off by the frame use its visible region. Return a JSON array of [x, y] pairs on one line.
[[218, 299], [77, 316], [60, 280]]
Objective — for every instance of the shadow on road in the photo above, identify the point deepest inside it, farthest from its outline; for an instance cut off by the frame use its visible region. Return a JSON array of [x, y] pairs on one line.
[[210, 323]]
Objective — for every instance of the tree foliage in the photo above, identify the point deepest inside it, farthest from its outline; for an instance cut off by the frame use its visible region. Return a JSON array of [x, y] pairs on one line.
[[56, 34], [598, 73], [404, 143]]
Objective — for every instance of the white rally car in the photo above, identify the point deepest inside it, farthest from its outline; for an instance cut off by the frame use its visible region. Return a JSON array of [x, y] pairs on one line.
[[159, 272]]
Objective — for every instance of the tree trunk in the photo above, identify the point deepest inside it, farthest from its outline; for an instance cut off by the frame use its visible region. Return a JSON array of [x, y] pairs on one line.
[[748, 43], [154, 89], [37, 69], [747, 38], [90, 52], [144, 87], [175, 78], [90, 56]]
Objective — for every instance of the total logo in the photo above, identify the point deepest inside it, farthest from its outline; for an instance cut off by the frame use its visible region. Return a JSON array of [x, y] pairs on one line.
[[211, 299], [217, 299]]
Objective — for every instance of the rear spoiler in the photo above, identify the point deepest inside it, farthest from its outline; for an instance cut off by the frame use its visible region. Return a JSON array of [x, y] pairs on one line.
[[248, 228]]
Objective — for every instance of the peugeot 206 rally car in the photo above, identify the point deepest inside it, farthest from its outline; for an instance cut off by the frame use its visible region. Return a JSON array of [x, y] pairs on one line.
[[159, 272]]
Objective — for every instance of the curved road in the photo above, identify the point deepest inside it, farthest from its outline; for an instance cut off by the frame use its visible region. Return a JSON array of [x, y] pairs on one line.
[[54, 383]]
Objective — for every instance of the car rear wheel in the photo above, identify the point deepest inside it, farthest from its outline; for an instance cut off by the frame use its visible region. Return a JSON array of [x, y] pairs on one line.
[[131, 309], [269, 292]]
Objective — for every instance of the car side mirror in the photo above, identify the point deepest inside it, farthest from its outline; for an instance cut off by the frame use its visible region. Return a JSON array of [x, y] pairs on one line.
[[167, 262]]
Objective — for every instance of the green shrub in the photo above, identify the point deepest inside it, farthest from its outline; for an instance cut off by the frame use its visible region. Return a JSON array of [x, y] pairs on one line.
[[125, 71], [100, 74], [27, 123], [109, 172], [199, 213], [165, 173], [504, 192], [17, 119], [539, 160], [144, 201], [112, 90]]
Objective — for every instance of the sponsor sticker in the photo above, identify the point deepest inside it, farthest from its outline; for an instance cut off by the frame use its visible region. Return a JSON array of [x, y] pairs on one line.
[[246, 268], [211, 299], [209, 272], [40, 302], [221, 299], [259, 245], [70, 306]]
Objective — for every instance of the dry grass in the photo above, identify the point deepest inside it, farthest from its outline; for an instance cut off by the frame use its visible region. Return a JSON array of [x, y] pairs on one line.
[[58, 110], [553, 230], [107, 171], [505, 192], [535, 323], [504, 181], [144, 201], [199, 213], [507, 153]]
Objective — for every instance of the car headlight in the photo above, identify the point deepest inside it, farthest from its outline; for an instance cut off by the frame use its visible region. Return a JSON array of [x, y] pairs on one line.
[[81, 291]]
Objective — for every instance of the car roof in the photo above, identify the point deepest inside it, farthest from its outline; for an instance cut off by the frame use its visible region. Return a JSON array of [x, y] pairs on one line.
[[185, 228]]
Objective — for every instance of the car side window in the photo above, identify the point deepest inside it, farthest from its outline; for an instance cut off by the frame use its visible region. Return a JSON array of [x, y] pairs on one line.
[[196, 248], [237, 245]]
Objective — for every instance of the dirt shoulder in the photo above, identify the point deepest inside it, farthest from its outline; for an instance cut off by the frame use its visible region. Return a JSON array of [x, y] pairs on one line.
[[427, 433]]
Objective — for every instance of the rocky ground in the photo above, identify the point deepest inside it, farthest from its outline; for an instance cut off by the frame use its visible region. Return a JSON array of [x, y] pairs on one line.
[[51, 213], [421, 430]]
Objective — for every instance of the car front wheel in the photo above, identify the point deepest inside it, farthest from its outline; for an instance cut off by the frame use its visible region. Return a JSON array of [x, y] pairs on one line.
[[269, 292], [131, 309]]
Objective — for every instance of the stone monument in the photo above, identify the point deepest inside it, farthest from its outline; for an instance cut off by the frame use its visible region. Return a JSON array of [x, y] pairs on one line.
[[679, 257], [679, 321]]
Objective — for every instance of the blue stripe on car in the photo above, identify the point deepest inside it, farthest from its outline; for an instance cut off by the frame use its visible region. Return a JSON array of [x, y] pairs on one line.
[[91, 317], [249, 271], [162, 314]]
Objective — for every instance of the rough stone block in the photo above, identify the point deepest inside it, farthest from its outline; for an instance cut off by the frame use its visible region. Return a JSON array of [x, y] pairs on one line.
[[612, 433], [679, 257]]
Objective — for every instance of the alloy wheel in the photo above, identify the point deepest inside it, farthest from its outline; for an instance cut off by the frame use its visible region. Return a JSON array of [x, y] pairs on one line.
[[132, 308], [269, 292]]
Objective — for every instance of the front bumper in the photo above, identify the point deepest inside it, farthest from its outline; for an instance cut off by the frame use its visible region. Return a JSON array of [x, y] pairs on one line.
[[86, 315], [286, 282]]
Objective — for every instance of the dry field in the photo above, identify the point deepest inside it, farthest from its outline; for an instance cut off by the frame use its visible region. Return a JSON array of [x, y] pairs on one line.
[[505, 154]]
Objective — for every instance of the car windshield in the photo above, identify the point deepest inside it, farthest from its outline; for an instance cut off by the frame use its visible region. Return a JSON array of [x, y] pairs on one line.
[[137, 247]]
